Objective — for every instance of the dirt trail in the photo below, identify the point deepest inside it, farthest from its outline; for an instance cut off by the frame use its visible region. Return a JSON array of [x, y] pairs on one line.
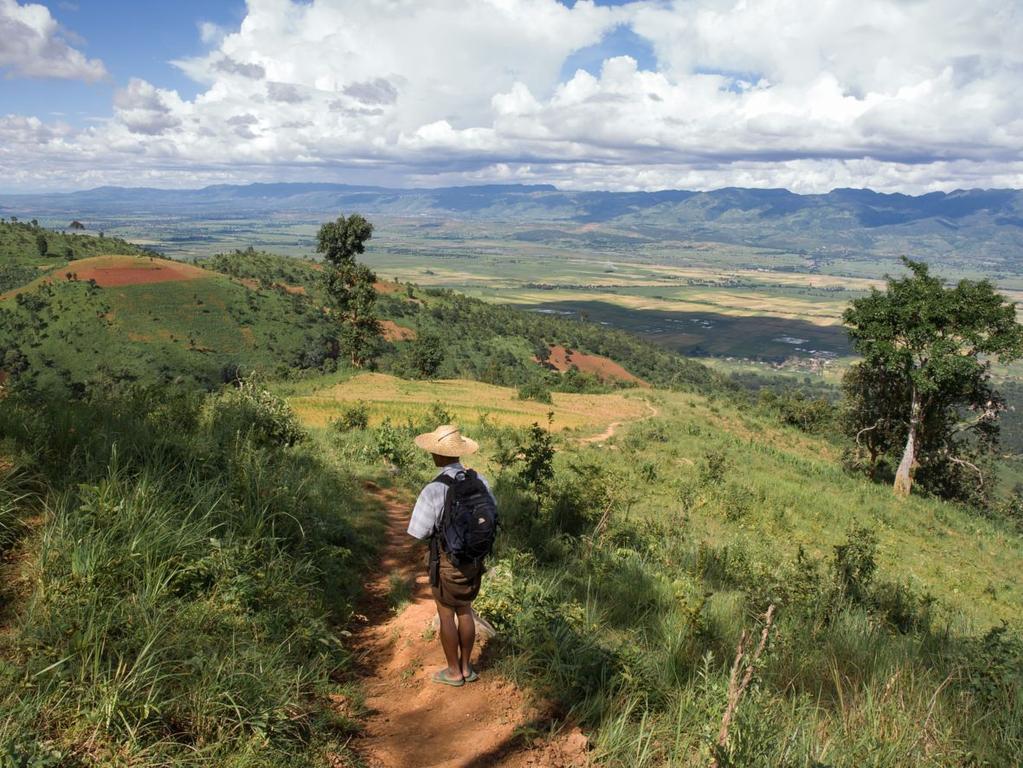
[[416, 723], [614, 426]]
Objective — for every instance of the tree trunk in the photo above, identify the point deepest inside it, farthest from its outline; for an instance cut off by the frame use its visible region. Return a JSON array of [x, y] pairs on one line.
[[908, 465]]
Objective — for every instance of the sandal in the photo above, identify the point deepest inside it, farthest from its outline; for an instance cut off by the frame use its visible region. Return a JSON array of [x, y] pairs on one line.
[[473, 675], [441, 676]]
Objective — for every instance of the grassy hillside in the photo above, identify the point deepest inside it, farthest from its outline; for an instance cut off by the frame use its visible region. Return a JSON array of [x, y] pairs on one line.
[[173, 567], [132, 323], [178, 560], [621, 588], [26, 250], [145, 319]]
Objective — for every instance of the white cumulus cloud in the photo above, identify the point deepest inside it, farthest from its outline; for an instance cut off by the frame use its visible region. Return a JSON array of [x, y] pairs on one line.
[[31, 45], [891, 94]]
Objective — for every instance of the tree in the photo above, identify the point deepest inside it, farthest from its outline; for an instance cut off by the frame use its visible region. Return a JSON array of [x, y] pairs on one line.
[[349, 284], [41, 245], [933, 344], [426, 353]]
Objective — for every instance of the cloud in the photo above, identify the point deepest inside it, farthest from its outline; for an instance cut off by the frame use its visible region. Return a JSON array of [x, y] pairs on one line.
[[232, 67], [147, 110], [285, 93], [31, 45], [377, 91], [896, 95]]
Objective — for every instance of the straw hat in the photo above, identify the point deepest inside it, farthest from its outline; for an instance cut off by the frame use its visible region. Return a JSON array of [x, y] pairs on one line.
[[447, 440]]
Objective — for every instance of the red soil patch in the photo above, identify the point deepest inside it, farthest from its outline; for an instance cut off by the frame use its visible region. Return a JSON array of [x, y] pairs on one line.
[[135, 272], [603, 368], [394, 332], [382, 287]]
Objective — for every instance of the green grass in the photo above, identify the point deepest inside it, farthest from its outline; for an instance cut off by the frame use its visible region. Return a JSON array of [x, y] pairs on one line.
[[186, 574], [888, 655]]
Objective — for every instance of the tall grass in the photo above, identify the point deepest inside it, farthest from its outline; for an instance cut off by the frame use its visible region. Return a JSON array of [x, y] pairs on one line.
[[632, 627], [186, 576]]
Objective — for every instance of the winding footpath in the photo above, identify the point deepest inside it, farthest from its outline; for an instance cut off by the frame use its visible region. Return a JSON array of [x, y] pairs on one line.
[[416, 723]]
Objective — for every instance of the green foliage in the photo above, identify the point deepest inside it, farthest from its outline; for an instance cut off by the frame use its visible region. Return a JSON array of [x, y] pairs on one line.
[[251, 411], [815, 415], [70, 335], [349, 284], [535, 389], [935, 344], [634, 631], [183, 589], [425, 354], [394, 444], [353, 417], [502, 346], [269, 270]]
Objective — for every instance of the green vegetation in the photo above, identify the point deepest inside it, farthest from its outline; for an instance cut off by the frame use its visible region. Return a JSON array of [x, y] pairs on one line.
[[70, 335], [182, 566], [178, 556], [925, 377], [623, 592], [27, 250], [349, 285]]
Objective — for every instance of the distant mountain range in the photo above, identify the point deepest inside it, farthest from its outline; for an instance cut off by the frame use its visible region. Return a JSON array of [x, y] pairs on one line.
[[983, 227]]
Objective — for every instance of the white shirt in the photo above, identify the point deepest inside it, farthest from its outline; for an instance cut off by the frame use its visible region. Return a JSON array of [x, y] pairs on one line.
[[430, 503]]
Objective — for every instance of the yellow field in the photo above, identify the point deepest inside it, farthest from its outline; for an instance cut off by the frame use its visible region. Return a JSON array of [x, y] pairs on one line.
[[734, 304], [470, 402]]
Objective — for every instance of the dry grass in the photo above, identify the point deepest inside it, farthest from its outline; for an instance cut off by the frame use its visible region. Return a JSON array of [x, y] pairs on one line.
[[469, 402]]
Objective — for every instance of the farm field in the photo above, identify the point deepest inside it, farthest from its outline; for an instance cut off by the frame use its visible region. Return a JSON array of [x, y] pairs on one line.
[[389, 398]]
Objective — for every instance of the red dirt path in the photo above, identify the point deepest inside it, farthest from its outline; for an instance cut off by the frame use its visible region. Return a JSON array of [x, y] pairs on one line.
[[416, 723]]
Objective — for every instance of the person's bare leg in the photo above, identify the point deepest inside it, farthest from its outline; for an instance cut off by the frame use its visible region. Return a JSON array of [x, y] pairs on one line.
[[466, 637], [449, 639]]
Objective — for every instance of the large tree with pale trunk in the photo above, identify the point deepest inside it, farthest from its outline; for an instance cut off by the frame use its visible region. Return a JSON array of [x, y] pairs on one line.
[[349, 284], [927, 349]]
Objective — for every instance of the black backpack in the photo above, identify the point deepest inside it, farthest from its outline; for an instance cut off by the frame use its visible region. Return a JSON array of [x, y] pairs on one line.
[[468, 525]]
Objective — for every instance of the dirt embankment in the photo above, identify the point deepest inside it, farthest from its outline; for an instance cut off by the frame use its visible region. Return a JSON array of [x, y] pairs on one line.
[[416, 723], [604, 368], [394, 332]]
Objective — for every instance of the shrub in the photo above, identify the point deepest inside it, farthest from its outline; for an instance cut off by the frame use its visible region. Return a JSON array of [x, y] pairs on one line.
[[715, 466], [395, 444], [535, 389], [353, 417], [251, 410]]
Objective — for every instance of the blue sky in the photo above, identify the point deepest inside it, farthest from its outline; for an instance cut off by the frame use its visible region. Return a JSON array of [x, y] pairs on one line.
[[644, 94], [133, 39]]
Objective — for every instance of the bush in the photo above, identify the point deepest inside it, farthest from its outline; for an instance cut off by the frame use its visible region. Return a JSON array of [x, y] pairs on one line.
[[537, 390], [352, 418], [395, 445], [251, 410]]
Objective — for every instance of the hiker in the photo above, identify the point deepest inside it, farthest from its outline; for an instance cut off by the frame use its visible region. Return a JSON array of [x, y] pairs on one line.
[[458, 514]]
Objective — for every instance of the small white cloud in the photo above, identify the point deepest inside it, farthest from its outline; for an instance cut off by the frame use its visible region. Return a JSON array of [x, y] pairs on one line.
[[210, 33], [32, 45]]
